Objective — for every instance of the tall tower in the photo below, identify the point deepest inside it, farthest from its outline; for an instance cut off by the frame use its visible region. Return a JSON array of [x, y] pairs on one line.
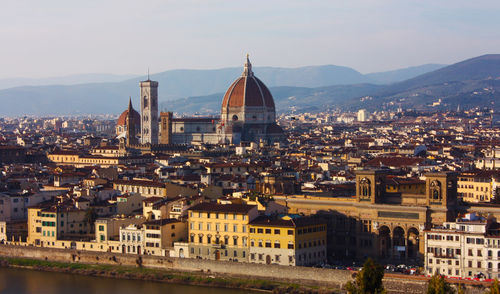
[[130, 125], [149, 112], [166, 127]]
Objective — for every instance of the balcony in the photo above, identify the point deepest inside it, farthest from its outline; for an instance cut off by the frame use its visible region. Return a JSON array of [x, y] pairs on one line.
[[218, 246], [450, 256]]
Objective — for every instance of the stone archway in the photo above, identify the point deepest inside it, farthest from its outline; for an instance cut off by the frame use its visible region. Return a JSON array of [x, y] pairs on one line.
[[399, 243], [384, 237]]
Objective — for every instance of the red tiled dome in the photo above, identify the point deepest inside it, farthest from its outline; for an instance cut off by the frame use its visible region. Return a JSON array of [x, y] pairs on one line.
[[123, 118], [248, 90]]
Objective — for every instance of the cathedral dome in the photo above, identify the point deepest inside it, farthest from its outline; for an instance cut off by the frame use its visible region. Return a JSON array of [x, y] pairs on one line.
[[248, 91], [122, 120]]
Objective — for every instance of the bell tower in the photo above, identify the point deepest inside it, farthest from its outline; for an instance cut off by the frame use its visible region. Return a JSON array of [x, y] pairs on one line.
[[149, 112], [370, 186], [130, 125], [441, 189]]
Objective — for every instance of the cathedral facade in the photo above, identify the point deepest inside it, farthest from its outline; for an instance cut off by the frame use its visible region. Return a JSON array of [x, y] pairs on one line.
[[248, 114]]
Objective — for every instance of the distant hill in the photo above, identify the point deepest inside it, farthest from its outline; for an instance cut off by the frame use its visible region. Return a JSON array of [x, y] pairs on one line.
[[174, 84], [285, 98], [478, 68], [472, 82], [112, 97], [393, 76], [65, 80]]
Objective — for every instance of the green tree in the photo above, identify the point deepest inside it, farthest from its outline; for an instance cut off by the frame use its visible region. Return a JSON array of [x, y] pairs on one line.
[[438, 285], [368, 280], [494, 288]]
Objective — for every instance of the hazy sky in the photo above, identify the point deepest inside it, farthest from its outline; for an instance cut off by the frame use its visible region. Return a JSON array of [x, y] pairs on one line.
[[60, 37]]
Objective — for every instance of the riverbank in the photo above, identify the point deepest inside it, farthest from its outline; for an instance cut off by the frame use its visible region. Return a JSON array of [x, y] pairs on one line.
[[163, 276]]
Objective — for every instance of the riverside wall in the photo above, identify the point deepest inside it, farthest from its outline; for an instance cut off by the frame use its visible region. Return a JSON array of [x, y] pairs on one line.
[[293, 274], [286, 273]]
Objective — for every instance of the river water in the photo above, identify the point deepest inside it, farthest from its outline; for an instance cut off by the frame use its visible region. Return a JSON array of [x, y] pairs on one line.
[[21, 281]]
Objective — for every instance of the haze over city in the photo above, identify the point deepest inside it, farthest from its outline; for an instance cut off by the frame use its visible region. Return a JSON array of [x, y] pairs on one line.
[[227, 147], [59, 38]]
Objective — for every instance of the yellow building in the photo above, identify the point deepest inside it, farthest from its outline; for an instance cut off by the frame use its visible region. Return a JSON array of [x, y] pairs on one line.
[[405, 185], [78, 160], [220, 231], [288, 240], [48, 224], [476, 186]]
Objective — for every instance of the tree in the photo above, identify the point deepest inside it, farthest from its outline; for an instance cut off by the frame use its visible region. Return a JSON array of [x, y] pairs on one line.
[[438, 285], [494, 288], [368, 280]]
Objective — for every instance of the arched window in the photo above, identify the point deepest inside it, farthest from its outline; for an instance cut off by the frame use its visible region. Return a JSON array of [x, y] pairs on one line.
[[235, 117], [364, 188], [145, 101], [435, 190]]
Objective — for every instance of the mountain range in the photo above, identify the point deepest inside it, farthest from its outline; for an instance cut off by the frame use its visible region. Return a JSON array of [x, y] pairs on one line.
[[64, 80], [469, 83]]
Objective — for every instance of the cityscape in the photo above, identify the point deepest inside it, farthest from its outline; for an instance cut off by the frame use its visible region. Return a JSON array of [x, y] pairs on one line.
[[334, 182]]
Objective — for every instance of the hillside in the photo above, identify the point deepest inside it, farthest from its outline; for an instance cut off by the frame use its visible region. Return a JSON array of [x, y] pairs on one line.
[[473, 82], [174, 84], [478, 68], [394, 76], [64, 80], [75, 95], [285, 98], [470, 83]]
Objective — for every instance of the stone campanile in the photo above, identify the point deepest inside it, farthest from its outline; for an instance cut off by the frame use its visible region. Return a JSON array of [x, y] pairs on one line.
[[149, 112]]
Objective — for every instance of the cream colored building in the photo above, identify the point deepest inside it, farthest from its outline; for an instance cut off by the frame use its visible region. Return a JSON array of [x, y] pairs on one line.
[[108, 229], [220, 231], [467, 248], [132, 239], [144, 187], [160, 235], [47, 225], [477, 186]]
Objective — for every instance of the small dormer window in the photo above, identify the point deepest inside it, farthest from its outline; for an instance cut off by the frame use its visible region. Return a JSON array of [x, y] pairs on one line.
[[235, 117]]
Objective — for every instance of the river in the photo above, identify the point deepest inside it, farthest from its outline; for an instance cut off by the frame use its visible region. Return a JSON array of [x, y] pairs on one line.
[[21, 281]]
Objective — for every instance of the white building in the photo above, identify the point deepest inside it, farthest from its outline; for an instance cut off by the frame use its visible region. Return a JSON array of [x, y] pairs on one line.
[[491, 159], [467, 248], [362, 115], [15, 206], [132, 239]]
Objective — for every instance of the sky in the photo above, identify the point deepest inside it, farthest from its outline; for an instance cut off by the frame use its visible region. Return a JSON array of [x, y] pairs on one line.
[[59, 37]]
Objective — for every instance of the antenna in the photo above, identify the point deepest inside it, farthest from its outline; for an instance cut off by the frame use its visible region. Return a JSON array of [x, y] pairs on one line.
[[148, 73]]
